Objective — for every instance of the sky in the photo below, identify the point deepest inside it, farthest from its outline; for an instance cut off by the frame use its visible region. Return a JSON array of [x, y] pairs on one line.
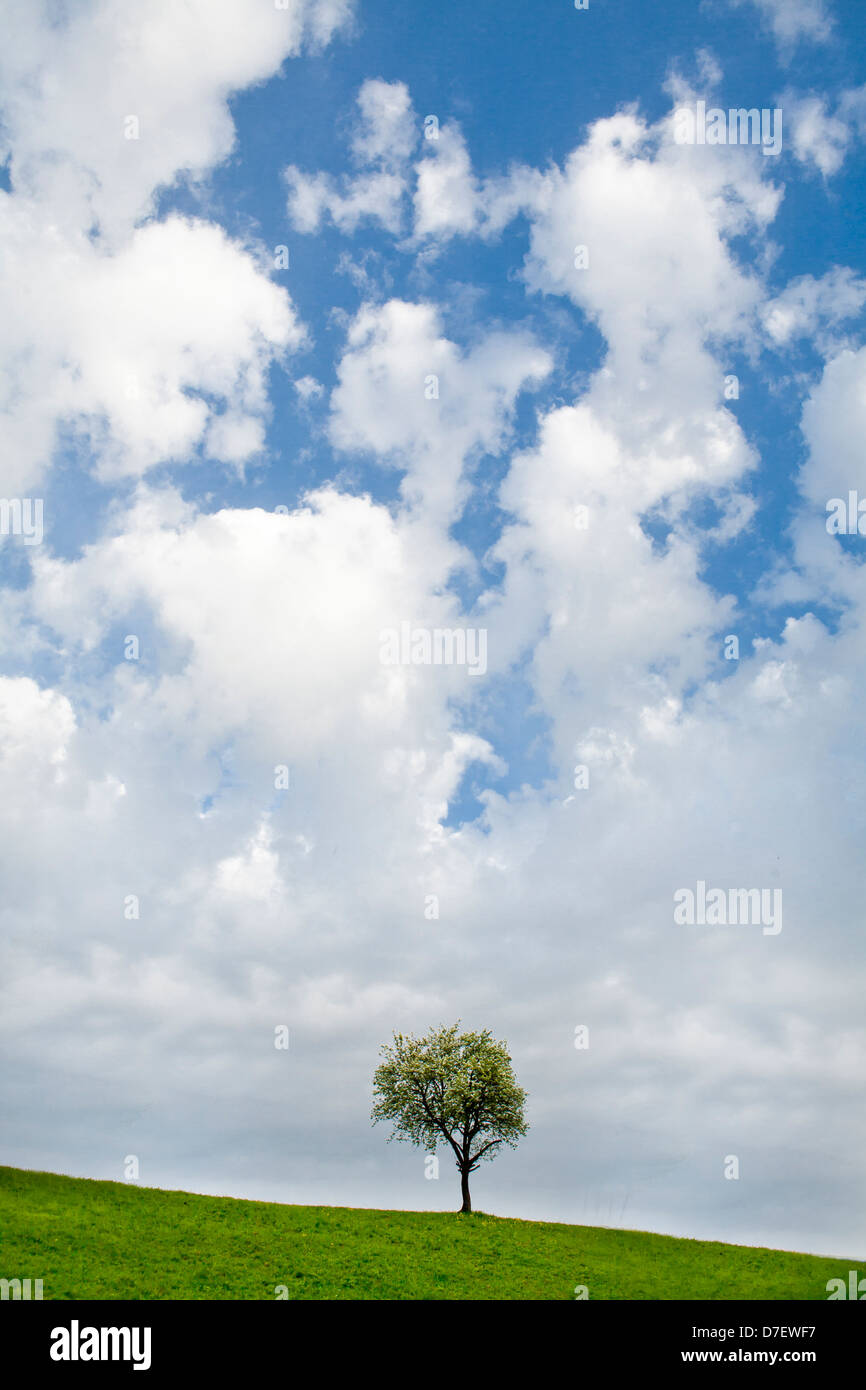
[[326, 328]]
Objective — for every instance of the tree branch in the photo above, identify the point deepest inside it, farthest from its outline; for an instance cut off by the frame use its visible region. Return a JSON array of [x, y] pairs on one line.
[[483, 1150], [439, 1125]]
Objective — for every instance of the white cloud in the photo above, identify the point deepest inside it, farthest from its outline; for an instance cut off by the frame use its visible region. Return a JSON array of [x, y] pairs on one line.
[[447, 196], [386, 133], [793, 20], [834, 421], [371, 197], [709, 68], [408, 394], [110, 329], [660, 297], [272, 678], [71, 86], [308, 388], [818, 138], [852, 108], [808, 307], [135, 349], [35, 728], [383, 141]]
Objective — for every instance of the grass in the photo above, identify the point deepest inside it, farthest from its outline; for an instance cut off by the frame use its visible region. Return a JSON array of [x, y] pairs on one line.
[[110, 1240]]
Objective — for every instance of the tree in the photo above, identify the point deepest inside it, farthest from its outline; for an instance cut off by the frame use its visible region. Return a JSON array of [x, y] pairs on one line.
[[456, 1087]]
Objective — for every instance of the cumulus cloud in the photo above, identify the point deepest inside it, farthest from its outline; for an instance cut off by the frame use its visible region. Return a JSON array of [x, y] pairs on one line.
[[447, 196], [382, 143], [409, 395], [114, 330], [667, 302], [833, 419], [819, 138], [812, 308], [107, 104], [677, 284], [134, 350]]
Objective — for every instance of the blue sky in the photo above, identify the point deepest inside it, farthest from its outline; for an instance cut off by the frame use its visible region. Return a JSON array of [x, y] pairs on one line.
[[242, 468]]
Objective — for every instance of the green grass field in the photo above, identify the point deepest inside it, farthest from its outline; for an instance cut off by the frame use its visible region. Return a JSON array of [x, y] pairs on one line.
[[108, 1240]]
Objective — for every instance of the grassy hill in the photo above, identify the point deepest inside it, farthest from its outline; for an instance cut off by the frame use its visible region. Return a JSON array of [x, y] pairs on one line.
[[105, 1240]]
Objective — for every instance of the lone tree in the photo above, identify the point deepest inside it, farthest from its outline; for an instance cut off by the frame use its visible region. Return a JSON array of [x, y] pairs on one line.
[[456, 1087]]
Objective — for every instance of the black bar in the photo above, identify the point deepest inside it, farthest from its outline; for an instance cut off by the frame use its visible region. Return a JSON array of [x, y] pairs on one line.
[[241, 1337]]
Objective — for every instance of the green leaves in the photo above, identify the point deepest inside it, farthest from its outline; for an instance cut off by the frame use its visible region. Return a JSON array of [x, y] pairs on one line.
[[456, 1087]]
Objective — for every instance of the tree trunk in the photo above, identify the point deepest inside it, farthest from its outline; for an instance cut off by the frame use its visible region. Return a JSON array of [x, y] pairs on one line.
[[464, 1188]]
